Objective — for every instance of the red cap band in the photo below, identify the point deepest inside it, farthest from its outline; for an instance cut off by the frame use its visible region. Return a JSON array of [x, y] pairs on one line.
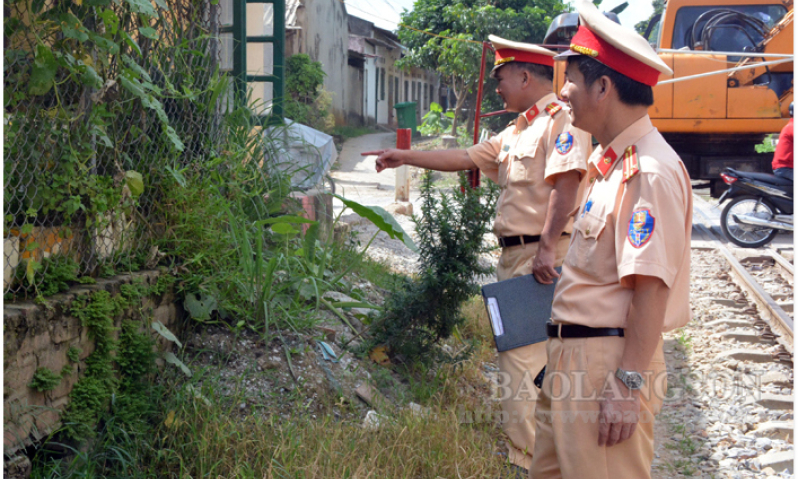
[[507, 55], [588, 43]]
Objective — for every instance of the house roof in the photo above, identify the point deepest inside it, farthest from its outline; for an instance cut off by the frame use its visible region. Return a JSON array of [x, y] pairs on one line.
[[387, 33], [359, 26]]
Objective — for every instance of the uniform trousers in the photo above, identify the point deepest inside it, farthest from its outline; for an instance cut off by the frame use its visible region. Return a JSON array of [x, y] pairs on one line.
[[520, 366], [567, 412]]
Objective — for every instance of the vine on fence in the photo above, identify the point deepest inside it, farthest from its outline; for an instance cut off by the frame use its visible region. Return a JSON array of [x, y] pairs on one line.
[[99, 96]]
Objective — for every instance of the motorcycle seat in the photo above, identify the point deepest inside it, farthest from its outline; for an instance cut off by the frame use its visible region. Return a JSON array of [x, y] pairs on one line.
[[764, 177]]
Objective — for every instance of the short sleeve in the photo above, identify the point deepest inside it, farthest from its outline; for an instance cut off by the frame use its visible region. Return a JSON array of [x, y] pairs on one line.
[[650, 228], [486, 156], [568, 149]]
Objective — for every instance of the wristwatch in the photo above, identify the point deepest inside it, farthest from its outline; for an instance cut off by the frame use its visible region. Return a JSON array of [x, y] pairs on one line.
[[631, 379]]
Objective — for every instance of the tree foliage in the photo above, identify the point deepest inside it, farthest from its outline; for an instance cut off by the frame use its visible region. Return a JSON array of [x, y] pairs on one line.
[[463, 22], [307, 102], [659, 7]]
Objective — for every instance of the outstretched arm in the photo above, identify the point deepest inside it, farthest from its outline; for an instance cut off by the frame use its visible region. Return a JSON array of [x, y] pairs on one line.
[[445, 160]]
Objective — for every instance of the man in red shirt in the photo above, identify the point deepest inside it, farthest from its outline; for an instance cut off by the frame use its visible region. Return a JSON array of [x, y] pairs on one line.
[[782, 158]]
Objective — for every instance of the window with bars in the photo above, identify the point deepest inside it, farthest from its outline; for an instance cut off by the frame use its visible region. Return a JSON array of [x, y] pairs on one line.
[[256, 57]]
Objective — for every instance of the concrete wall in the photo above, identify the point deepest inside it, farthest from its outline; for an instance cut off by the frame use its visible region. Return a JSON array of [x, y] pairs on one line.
[[37, 336], [324, 35]]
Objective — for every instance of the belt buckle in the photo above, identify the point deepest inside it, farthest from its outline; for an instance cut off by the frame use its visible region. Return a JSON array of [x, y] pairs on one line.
[[559, 331]]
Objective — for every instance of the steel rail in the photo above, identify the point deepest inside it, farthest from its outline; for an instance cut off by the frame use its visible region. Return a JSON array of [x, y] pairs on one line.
[[780, 322], [785, 265]]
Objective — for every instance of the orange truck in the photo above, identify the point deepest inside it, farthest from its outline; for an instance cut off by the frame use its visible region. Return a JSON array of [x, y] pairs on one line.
[[732, 82]]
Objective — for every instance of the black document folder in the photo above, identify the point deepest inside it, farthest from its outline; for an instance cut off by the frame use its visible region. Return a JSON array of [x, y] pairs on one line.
[[519, 309]]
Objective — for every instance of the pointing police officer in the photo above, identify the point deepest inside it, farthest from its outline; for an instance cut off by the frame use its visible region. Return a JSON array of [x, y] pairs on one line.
[[538, 162], [625, 278]]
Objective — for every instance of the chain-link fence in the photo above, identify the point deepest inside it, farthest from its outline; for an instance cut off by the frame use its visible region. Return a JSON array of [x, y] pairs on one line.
[[100, 98]]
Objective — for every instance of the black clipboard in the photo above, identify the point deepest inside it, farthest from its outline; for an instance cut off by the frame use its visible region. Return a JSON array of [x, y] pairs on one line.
[[519, 309]]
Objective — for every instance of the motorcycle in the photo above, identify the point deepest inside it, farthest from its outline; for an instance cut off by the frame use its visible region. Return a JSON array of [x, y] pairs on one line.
[[761, 206]]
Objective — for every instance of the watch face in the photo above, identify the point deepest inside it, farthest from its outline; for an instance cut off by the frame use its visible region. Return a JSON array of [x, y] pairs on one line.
[[634, 380]]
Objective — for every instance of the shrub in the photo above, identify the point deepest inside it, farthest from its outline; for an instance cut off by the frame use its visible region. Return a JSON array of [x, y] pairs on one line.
[[307, 102], [425, 310], [44, 380], [436, 121]]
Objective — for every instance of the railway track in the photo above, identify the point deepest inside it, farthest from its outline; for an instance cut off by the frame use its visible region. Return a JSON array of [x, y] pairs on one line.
[[767, 278], [730, 370]]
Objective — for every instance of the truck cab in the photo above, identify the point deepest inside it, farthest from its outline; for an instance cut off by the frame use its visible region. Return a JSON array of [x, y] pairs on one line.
[[716, 119]]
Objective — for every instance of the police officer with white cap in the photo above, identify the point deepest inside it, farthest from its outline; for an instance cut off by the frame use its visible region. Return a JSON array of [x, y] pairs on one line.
[[538, 161], [625, 278]]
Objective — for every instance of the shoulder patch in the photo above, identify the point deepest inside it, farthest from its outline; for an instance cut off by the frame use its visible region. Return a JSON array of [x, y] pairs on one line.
[[564, 143], [641, 227], [631, 166], [553, 108]]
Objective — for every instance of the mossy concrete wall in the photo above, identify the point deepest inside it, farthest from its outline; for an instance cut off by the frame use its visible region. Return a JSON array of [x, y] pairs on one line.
[[39, 336]]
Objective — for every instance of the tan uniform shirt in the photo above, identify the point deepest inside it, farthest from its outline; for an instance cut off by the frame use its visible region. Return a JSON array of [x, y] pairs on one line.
[[621, 229], [523, 160]]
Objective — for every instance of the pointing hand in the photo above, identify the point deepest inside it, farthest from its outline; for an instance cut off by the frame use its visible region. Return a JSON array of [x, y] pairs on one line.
[[386, 158]]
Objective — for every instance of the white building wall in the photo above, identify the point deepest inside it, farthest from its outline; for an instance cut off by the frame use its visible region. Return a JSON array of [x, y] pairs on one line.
[[370, 73]]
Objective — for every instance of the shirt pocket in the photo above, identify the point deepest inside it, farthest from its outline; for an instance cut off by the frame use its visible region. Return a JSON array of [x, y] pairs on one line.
[[525, 169], [590, 240]]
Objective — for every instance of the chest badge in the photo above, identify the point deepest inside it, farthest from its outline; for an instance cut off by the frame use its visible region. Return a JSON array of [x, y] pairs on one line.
[[565, 141], [506, 148], [588, 205], [641, 227]]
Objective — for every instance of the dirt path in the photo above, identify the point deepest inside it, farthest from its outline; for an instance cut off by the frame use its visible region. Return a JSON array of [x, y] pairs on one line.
[[355, 176]]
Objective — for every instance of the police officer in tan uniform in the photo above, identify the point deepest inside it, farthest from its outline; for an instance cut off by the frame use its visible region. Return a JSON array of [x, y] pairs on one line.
[[538, 161], [626, 276]]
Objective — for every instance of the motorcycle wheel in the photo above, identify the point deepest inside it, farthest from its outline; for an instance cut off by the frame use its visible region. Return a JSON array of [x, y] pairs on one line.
[[747, 236]]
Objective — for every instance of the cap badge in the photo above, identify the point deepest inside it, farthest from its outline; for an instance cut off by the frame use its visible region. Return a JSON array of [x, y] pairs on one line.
[[502, 61], [584, 50], [641, 227], [565, 141]]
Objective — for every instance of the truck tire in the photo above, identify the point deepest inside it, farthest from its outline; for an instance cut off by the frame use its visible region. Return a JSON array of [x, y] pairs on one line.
[[747, 236]]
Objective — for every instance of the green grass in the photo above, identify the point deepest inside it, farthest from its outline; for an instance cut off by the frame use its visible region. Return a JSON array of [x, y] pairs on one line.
[[685, 340], [201, 432]]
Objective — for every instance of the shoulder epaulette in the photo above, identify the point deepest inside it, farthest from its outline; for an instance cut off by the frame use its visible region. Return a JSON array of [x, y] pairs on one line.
[[553, 108], [631, 166]]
